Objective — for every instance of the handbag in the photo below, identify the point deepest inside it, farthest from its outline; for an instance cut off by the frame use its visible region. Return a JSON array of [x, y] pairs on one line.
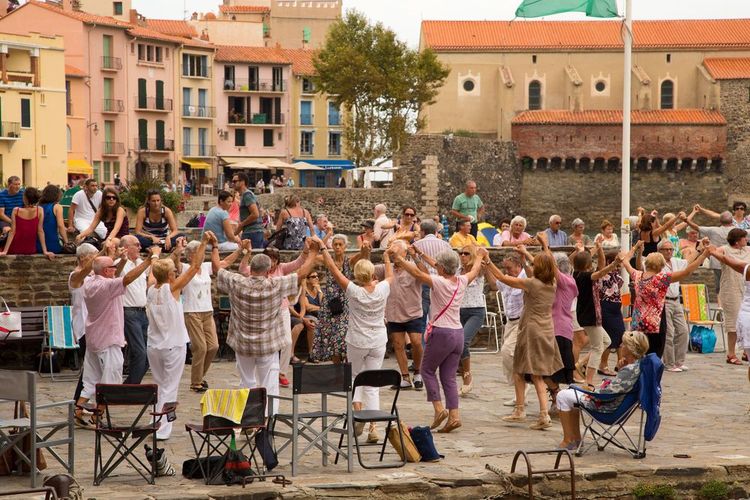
[[10, 323], [237, 466], [428, 330], [277, 238], [412, 454], [422, 437], [336, 306], [702, 339]]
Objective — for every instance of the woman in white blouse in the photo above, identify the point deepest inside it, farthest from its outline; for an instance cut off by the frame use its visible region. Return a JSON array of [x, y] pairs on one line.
[[473, 312], [366, 335]]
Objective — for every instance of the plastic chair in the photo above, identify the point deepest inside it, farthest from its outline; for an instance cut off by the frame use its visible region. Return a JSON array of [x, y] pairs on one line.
[[698, 311], [378, 378], [58, 335], [327, 380]]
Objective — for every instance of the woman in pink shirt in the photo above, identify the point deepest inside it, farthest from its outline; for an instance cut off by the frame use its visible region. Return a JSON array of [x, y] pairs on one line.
[[514, 236], [444, 339]]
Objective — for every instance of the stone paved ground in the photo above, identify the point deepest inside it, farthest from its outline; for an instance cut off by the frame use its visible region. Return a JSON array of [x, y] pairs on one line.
[[705, 415]]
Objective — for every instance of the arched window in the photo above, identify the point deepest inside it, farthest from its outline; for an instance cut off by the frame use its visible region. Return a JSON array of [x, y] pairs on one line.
[[535, 95], [69, 137], [667, 94]]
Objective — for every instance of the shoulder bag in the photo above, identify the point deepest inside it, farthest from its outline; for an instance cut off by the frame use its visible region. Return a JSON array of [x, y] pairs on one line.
[[428, 330]]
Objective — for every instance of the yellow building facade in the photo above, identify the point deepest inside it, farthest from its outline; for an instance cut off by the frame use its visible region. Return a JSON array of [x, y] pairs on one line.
[[33, 109]]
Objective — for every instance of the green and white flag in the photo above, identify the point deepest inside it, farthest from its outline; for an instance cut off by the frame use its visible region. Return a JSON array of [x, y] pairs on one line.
[[592, 8]]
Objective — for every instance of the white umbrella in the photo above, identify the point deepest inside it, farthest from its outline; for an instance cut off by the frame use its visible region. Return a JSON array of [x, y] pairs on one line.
[[276, 163], [249, 165], [302, 165]]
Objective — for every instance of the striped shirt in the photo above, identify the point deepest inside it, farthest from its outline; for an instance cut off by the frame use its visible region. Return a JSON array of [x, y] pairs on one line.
[[10, 201], [431, 246]]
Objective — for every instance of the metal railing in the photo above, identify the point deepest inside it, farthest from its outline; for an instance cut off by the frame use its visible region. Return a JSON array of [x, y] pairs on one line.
[[258, 119], [146, 144], [153, 103], [196, 71], [112, 106], [246, 85], [11, 130], [198, 111], [113, 148], [112, 63], [197, 150]]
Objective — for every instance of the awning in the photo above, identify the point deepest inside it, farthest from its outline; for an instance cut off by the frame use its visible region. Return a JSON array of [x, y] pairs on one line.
[[196, 164], [243, 163], [301, 165], [81, 167], [327, 164], [276, 163]]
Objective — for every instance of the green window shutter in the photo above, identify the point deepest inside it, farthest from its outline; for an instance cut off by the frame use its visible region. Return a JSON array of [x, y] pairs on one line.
[[159, 94], [143, 134], [160, 135], [142, 93]]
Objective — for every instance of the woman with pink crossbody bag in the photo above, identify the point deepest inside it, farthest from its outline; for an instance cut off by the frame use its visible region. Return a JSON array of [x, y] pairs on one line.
[[444, 337]]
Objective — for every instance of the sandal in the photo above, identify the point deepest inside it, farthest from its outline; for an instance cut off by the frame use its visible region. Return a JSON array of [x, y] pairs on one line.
[[82, 423], [450, 426], [198, 388], [581, 370], [606, 372], [732, 360], [466, 388], [439, 419]]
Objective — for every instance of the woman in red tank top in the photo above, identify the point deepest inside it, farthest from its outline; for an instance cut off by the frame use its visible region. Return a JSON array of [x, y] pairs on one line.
[[27, 227]]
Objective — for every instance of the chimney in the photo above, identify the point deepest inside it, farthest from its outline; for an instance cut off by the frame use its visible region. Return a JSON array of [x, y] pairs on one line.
[[204, 35], [133, 16]]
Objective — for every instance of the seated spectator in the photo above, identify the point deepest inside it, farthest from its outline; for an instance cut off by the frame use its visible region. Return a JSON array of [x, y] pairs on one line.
[[155, 224], [112, 215], [577, 235], [83, 209], [307, 309], [219, 222], [514, 236], [297, 221], [556, 237], [368, 234], [10, 198], [27, 227], [54, 223], [504, 225], [609, 239], [463, 236], [323, 229]]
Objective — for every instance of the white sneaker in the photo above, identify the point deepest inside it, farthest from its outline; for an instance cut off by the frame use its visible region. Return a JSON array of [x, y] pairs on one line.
[[418, 383], [683, 368]]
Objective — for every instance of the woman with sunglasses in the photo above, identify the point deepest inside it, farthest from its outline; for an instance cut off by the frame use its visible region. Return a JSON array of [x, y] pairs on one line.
[[473, 311], [740, 218], [111, 214], [155, 224], [408, 229], [306, 316]]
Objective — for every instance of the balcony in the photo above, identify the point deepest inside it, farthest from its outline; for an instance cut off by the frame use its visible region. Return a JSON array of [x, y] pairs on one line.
[[196, 72], [156, 104], [306, 118], [110, 63], [153, 145], [256, 119], [113, 148], [262, 86], [112, 106], [198, 150], [200, 112], [10, 131]]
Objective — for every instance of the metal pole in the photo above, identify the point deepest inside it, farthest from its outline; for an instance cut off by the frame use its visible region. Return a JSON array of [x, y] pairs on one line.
[[625, 202]]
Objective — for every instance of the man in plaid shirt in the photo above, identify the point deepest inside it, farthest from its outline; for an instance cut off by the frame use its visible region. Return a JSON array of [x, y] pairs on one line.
[[256, 331]]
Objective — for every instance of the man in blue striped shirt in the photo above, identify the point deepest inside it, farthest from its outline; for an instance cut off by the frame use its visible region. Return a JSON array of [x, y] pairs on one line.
[[10, 198]]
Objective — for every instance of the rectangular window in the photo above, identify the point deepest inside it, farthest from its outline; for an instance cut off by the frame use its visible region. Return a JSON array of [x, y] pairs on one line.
[[97, 170], [141, 52], [26, 113], [160, 141], [150, 53], [334, 117], [239, 137], [307, 86], [277, 73], [306, 143], [159, 54], [334, 143], [305, 113], [68, 99], [107, 175], [117, 8], [253, 78], [203, 142], [267, 138], [142, 134], [228, 77], [194, 65], [186, 133]]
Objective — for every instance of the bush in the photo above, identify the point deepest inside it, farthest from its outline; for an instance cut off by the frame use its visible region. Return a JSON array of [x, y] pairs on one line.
[[646, 490], [714, 490], [135, 197]]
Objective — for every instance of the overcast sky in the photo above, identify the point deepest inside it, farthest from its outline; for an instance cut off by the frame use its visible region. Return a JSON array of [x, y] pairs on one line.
[[404, 16]]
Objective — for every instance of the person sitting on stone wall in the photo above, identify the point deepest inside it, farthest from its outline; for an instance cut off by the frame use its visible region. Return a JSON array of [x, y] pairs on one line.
[[323, 229], [556, 236], [463, 236], [514, 236], [83, 209], [578, 235]]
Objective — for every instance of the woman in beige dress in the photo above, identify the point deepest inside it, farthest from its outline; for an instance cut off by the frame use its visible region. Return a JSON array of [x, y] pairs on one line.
[[536, 354], [732, 287]]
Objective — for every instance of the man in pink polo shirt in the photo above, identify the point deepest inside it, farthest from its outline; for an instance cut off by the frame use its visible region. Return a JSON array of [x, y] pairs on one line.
[[105, 335]]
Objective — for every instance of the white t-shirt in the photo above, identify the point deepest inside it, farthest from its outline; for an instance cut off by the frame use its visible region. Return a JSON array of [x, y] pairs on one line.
[[367, 315], [78, 309], [166, 322], [83, 207], [196, 296], [135, 292], [676, 265]]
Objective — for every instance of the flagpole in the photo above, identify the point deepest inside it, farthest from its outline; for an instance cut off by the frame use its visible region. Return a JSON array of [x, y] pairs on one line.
[[628, 56]]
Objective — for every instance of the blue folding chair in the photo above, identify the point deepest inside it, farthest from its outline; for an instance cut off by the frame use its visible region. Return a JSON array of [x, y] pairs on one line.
[[57, 335], [608, 427]]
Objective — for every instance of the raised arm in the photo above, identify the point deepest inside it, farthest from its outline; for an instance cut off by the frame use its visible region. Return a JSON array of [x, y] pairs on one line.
[[735, 264], [195, 266], [669, 225], [176, 254], [511, 281], [603, 271], [706, 212], [336, 273], [692, 266], [422, 276], [364, 253], [388, 266], [482, 253], [217, 263], [626, 256], [154, 252]]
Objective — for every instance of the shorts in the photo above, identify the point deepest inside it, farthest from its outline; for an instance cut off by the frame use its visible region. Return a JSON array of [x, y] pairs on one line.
[[296, 321], [415, 325]]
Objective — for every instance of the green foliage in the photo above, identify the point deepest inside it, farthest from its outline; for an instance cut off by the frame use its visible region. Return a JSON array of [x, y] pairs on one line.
[[460, 133], [380, 82], [648, 490], [714, 490], [135, 197]]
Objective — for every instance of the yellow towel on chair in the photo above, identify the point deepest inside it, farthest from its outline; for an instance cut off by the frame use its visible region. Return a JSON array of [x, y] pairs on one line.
[[225, 403]]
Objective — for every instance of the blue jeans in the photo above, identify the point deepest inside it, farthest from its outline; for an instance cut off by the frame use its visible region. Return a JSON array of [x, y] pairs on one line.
[[425, 307], [136, 335], [471, 319], [256, 238], [147, 242]]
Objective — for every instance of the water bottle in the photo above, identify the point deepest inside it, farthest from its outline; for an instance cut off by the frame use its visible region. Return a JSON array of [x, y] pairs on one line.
[[446, 231]]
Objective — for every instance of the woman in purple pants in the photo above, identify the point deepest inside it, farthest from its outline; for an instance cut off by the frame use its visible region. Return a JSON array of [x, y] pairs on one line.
[[445, 343]]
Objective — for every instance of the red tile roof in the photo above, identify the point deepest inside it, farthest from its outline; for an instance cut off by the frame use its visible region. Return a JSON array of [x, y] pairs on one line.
[[84, 17], [141, 32], [493, 36], [235, 53], [75, 72], [172, 27], [244, 9], [614, 117], [302, 60], [728, 68]]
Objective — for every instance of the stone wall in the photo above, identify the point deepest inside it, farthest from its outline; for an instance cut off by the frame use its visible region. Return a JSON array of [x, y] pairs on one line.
[[736, 108], [345, 207]]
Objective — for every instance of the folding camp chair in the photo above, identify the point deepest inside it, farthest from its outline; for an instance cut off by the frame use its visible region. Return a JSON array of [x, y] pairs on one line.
[[490, 323], [698, 310], [222, 430], [608, 427], [57, 335], [20, 386], [327, 380], [144, 426]]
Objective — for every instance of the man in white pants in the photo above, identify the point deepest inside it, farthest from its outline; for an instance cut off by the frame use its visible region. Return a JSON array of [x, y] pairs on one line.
[[676, 343], [83, 209], [256, 330], [105, 334], [513, 303]]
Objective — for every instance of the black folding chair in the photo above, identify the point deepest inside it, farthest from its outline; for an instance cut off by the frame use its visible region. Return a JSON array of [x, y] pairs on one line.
[[222, 430], [327, 380], [142, 427], [378, 378]]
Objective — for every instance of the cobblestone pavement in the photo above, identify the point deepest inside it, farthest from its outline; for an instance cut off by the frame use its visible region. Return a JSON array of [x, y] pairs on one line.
[[705, 416]]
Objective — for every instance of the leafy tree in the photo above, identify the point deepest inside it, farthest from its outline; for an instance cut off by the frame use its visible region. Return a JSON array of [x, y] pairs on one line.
[[380, 82]]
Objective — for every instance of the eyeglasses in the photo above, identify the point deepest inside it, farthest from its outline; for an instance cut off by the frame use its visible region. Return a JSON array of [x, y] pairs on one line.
[[409, 215], [235, 180], [738, 208], [110, 197], [464, 253], [313, 276]]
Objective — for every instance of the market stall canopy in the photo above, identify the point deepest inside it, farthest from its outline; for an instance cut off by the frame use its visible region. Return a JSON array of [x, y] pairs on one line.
[[276, 163], [81, 167], [245, 164]]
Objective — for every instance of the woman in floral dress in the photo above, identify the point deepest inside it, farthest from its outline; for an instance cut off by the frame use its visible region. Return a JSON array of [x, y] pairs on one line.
[[329, 341]]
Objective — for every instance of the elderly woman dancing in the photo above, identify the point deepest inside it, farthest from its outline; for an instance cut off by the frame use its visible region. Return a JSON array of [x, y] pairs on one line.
[[444, 336]]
